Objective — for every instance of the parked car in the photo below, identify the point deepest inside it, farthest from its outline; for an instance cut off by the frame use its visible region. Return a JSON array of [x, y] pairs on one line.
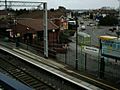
[[112, 29], [91, 24], [83, 27], [81, 22]]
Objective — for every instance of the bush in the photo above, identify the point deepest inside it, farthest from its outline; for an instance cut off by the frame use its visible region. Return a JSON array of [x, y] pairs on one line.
[[65, 35]]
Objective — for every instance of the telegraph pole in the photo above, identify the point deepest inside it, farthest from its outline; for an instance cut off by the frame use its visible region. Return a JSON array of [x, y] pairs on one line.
[[45, 31], [76, 61], [118, 32], [119, 15], [6, 5]]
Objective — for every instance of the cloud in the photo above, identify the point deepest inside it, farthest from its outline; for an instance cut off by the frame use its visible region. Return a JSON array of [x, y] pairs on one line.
[[78, 4]]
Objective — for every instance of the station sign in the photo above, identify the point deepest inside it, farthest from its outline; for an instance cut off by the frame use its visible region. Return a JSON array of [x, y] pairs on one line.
[[91, 50]]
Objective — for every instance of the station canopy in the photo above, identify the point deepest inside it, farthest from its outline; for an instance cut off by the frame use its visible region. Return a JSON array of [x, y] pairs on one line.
[[107, 37]]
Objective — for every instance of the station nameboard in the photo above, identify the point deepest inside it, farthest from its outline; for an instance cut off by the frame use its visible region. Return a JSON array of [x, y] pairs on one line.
[[91, 50]]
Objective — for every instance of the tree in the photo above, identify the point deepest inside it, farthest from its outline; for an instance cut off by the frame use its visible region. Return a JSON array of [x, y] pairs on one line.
[[91, 16], [64, 36], [108, 21]]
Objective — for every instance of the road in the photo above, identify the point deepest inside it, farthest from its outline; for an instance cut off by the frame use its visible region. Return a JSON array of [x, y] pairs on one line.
[[96, 31]]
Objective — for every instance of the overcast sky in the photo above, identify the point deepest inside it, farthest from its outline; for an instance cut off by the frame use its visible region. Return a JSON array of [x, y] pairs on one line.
[[83, 4], [79, 4]]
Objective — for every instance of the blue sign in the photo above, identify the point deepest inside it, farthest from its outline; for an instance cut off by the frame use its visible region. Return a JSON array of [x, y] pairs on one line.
[[111, 48]]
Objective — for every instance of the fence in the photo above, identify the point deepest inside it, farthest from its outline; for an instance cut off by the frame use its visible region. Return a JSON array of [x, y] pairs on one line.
[[89, 63]]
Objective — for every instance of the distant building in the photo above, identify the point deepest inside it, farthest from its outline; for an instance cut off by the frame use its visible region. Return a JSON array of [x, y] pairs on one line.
[[103, 12]]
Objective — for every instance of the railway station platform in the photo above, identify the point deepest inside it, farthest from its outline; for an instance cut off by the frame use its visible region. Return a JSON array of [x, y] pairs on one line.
[[59, 69]]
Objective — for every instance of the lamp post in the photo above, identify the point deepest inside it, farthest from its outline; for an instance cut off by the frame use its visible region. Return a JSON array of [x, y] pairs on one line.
[[119, 14], [17, 35], [118, 32], [102, 62], [14, 21], [76, 66], [27, 36], [17, 40], [53, 36], [45, 25], [6, 5], [119, 11]]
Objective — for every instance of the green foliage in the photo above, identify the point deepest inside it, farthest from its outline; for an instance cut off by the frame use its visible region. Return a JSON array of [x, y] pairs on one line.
[[91, 16], [21, 11], [108, 21], [65, 35]]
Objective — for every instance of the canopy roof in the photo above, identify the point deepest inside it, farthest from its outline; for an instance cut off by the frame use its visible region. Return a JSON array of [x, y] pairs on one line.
[[107, 37]]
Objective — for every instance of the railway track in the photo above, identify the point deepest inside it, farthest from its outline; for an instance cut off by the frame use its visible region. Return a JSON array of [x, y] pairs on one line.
[[24, 76]]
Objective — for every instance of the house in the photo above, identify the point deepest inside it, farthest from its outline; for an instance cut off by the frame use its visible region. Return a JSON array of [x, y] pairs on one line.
[[32, 30], [3, 14], [29, 27], [52, 13], [3, 23]]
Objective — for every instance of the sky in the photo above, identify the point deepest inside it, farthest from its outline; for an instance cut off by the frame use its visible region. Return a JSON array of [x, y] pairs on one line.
[[78, 4], [83, 4]]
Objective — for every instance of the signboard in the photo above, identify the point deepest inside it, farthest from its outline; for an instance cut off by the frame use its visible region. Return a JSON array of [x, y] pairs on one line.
[[91, 50], [111, 48]]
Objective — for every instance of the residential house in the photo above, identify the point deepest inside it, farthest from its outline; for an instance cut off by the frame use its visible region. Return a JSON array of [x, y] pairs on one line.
[[32, 30], [3, 23], [3, 14], [54, 15], [31, 26]]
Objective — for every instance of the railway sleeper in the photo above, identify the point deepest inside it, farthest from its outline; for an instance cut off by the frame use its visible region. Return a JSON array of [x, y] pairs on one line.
[[43, 87], [15, 70], [42, 80], [14, 73], [37, 85], [25, 78], [39, 88], [34, 83], [20, 75], [30, 80]]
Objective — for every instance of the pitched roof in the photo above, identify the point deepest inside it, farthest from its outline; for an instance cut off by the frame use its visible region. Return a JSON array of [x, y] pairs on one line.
[[39, 14], [55, 14], [36, 24], [32, 14]]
